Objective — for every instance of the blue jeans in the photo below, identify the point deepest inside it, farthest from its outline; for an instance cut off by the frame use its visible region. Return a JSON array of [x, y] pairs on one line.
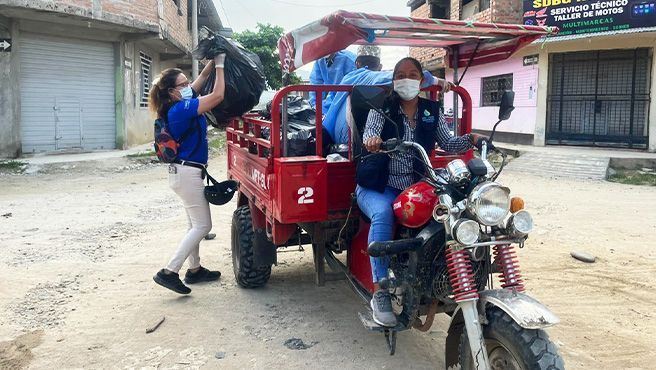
[[378, 207]]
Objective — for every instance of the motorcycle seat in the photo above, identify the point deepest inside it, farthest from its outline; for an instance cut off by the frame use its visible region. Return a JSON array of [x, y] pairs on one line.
[[357, 119]]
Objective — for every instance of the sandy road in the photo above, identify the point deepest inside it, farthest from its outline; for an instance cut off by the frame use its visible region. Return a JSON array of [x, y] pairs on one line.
[[83, 241]]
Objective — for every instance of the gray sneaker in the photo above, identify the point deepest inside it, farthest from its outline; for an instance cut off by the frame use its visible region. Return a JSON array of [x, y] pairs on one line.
[[381, 304]]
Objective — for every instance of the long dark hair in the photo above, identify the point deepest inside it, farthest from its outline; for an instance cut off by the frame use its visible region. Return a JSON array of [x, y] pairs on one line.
[[159, 99]]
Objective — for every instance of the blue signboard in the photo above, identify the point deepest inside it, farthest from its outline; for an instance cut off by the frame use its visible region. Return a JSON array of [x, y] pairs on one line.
[[587, 16]]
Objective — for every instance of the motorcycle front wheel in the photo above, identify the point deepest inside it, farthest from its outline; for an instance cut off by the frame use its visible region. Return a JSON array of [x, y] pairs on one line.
[[511, 347]]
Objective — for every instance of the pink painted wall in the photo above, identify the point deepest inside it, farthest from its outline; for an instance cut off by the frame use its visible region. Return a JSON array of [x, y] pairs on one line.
[[525, 85]]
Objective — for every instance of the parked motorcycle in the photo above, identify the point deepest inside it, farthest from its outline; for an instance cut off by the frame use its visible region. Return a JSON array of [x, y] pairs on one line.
[[456, 229]]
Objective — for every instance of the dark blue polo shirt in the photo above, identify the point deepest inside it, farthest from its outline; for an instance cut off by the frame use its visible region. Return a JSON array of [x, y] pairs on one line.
[[182, 116]]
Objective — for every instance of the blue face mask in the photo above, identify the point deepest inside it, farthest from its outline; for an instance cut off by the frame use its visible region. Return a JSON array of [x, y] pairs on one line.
[[187, 93]]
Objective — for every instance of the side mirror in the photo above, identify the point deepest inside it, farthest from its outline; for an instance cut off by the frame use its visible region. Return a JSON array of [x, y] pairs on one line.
[[368, 97], [506, 107]]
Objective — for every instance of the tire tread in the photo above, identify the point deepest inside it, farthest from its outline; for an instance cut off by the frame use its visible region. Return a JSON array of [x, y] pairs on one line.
[[246, 275], [538, 350]]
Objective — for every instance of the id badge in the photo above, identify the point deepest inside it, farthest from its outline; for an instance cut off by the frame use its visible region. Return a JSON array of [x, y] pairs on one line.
[[173, 169]]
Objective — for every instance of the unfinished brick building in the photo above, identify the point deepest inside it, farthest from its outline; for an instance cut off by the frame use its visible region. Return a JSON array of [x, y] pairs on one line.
[[78, 71]]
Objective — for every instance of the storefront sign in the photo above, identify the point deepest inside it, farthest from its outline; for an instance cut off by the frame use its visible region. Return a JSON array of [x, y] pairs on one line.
[[530, 60], [586, 16]]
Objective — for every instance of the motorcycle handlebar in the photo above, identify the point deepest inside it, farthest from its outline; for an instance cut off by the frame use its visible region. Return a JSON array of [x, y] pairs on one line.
[[389, 145], [392, 145]]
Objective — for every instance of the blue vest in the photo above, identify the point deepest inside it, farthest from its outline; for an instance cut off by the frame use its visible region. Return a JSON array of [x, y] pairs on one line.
[[425, 132]]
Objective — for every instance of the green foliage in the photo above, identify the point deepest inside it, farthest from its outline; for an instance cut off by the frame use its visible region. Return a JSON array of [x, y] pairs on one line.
[[264, 43], [147, 153], [216, 140], [634, 177], [9, 166]]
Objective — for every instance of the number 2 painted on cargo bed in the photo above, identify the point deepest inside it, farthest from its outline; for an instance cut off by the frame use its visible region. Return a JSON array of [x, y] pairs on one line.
[[305, 195]]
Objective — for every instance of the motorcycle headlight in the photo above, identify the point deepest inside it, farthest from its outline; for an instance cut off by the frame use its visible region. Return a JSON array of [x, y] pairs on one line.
[[520, 223], [466, 232], [489, 203]]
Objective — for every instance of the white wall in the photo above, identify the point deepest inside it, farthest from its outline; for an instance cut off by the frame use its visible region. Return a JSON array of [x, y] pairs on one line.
[[525, 85]]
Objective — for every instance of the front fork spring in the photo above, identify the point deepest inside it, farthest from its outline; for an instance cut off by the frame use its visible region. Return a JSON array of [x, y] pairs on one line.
[[461, 274], [506, 258]]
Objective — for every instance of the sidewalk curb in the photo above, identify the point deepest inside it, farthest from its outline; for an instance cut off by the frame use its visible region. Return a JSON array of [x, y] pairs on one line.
[[44, 159]]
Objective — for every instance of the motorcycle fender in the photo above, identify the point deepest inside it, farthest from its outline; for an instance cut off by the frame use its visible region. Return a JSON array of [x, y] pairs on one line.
[[525, 310]]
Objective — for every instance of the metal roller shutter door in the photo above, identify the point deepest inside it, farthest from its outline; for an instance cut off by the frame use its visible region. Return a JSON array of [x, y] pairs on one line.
[[67, 94], [599, 98]]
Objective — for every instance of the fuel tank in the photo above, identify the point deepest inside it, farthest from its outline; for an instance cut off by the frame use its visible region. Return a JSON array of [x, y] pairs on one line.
[[414, 206]]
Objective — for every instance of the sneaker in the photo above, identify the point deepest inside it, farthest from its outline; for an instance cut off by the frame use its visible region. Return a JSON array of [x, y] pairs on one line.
[[210, 236], [201, 275], [171, 281], [381, 304]]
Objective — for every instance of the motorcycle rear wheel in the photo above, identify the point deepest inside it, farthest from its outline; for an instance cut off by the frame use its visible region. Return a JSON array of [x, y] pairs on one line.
[[511, 347]]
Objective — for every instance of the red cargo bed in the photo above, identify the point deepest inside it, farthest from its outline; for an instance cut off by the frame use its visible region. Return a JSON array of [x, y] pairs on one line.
[[289, 191]]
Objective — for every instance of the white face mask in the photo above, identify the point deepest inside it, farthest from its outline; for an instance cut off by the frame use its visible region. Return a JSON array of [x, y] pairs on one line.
[[407, 88], [187, 93]]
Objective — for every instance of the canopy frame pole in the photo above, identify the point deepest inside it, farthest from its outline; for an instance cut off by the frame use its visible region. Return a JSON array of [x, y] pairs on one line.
[[471, 59], [285, 126], [456, 115]]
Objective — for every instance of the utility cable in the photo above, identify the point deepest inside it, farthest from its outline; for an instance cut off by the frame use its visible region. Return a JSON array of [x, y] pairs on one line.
[[225, 13]]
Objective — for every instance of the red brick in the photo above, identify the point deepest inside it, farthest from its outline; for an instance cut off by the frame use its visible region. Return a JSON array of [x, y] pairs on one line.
[[141, 11], [500, 11]]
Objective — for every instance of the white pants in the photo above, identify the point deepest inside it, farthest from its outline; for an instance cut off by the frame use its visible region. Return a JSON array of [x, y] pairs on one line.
[[188, 184]]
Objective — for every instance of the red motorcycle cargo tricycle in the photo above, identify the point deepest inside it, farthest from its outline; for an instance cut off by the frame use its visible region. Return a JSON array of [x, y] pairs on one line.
[[456, 228]]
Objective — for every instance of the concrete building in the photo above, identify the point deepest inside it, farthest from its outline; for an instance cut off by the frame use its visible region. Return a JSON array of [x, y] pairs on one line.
[[77, 72], [591, 85]]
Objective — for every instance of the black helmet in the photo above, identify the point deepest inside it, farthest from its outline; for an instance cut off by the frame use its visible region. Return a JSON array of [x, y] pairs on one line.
[[220, 193]]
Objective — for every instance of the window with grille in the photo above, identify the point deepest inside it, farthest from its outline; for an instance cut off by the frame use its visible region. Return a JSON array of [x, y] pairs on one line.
[[441, 10], [178, 5], [469, 8], [493, 87], [146, 66]]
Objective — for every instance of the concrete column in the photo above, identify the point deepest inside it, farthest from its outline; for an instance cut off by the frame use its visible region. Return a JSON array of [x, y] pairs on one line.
[[119, 94], [194, 37], [539, 136], [651, 144], [10, 139]]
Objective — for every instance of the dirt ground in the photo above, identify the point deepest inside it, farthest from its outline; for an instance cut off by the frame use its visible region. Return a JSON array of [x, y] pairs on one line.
[[79, 244]]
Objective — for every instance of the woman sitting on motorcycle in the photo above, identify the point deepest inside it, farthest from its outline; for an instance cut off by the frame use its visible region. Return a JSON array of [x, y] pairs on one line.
[[419, 120]]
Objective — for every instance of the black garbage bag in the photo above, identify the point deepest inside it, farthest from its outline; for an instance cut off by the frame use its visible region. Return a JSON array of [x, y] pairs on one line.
[[302, 140], [301, 143], [300, 114], [298, 108], [301, 135], [244, 76]]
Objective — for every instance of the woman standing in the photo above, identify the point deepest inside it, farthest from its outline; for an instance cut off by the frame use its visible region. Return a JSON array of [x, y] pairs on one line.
[[176, 100], [419, 120]]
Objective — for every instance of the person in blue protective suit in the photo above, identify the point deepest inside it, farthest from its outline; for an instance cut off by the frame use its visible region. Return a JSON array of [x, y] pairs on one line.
[[368, 72], [329, 71]]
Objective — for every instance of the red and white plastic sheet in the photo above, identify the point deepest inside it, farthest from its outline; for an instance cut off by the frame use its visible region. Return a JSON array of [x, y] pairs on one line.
[[488, 42]]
